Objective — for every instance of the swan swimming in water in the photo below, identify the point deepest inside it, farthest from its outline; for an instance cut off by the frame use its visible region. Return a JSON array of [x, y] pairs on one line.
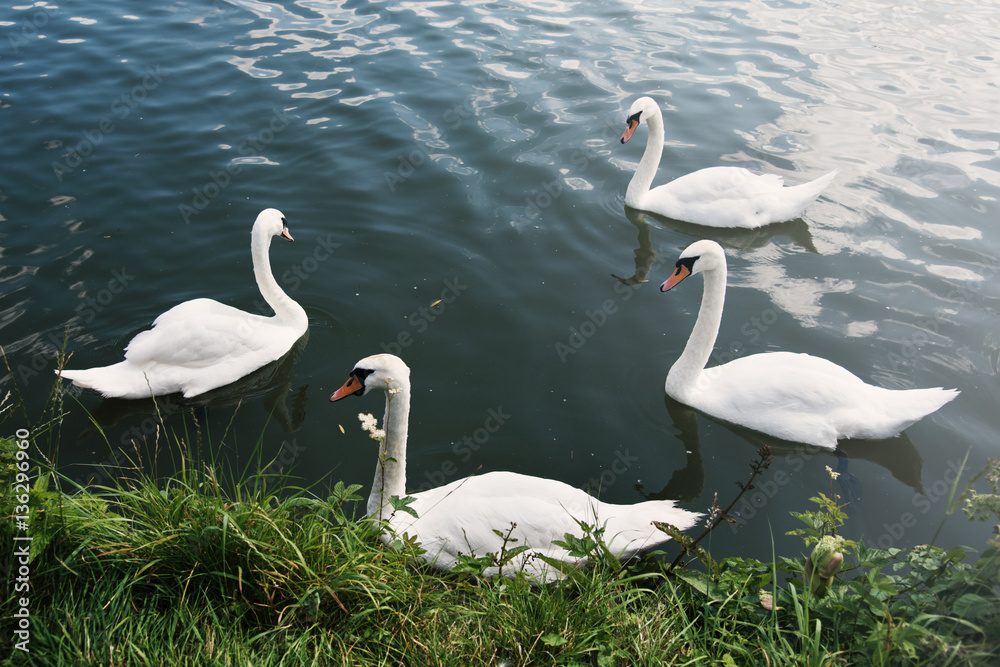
[[796, 397], [716, 196], [202, 344], [460, 517]]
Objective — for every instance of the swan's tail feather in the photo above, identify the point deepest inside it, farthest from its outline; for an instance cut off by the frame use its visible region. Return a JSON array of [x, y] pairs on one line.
[[631, 530], [798, 197], [808, 192], [922, 402], [121, 380]]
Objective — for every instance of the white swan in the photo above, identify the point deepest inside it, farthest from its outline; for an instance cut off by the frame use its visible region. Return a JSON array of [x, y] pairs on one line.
[[714, 197], [795, 397], [460, 517], [202, 344]]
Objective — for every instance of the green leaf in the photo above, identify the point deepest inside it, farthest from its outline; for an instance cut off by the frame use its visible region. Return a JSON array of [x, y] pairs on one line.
[[403, 505], [553, 639], [972, 606]]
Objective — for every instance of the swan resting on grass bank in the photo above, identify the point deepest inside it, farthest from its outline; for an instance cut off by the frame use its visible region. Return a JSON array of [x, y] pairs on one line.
[[787, 395], [462, 517], [200, 345]]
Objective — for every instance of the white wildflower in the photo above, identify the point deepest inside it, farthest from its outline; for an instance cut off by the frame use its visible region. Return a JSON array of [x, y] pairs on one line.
[[833, 475], [368, 421], [370, 424]]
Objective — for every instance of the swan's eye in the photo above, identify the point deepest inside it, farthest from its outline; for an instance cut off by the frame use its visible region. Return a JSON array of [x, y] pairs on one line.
[[284, 223], [634, 118]]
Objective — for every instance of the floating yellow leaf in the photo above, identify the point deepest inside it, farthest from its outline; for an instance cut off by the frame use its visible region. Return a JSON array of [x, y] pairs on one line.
[[341, 429], [435, 303]]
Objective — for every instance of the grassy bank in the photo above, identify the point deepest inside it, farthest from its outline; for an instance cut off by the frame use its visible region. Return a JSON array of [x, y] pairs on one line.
[[191, 571]]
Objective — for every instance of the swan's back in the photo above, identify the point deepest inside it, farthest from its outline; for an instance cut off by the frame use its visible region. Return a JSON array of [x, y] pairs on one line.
[[460, 518]]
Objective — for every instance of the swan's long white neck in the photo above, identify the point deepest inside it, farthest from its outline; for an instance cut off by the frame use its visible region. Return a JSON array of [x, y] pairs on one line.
[[644, 174], [685, 376], [390, 471], [285, 309]]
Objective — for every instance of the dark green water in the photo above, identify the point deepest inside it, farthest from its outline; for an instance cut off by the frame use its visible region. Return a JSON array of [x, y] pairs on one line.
[[454, 182]]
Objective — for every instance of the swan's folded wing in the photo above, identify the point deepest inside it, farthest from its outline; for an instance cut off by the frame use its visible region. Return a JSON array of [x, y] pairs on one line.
[[786, 380], [201, 341], [722, 183]]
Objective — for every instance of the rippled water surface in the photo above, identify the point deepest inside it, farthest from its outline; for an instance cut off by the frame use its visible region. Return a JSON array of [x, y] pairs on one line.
[[454, 181]]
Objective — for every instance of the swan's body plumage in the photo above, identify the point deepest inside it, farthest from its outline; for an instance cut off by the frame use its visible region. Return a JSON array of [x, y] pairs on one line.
[[792, 396], [461, 517], [716, 196], [202, 344]]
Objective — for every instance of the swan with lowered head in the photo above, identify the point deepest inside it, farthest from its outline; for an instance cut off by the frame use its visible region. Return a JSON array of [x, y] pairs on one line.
[[796, 397], [460, 517], [202, 344], [716, 196]]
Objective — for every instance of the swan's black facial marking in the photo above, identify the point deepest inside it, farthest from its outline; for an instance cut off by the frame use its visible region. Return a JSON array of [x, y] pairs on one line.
[[361, 374], [634, 118], [284, 230], [687, 263]]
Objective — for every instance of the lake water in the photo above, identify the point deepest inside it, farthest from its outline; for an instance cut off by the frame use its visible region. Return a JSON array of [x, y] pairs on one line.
[[453, 178]]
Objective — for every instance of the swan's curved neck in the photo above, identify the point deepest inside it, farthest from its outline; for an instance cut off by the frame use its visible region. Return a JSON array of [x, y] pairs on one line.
[[644, 174], [685, 375], [285, 308], [390, 472]]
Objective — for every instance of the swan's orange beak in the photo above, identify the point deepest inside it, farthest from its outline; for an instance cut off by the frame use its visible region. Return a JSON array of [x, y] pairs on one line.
[[284, 232], [680, 274], [633, 123], [352, 386]]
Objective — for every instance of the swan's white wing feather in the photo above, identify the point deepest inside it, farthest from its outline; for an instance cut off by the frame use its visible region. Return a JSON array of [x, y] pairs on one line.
[[200, 337], [722, 185]]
